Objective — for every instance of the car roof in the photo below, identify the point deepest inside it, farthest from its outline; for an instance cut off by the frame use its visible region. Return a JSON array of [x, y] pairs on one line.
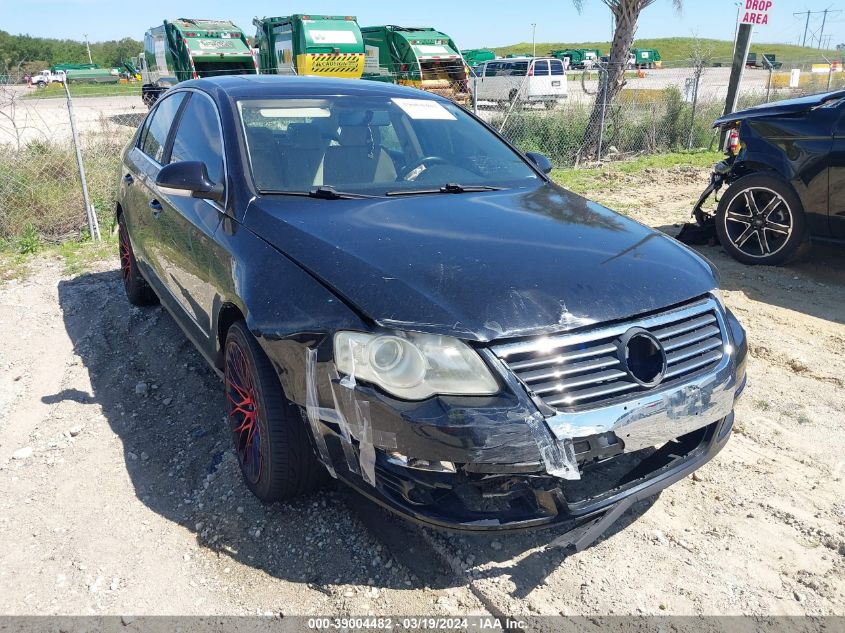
[[263, 86]]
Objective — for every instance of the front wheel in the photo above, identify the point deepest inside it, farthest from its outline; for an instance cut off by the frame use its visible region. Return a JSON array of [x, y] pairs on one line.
[[760, 220], [269, 434]]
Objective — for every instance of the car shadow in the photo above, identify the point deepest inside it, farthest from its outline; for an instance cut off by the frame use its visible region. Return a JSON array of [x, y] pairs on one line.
[[813, 284], [166, 405]]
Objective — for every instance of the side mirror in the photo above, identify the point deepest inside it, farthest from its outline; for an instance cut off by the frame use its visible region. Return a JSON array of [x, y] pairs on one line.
[[543, 163], [188, 179]]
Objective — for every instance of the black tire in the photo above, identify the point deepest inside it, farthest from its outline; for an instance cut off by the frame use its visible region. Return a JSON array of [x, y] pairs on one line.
[[41, 84], [138, 291], [512, 95], [772, 232], [551, 105], [283, 465]]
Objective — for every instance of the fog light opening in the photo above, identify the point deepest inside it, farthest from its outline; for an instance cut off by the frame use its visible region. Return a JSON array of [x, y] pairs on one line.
[[420, 464]]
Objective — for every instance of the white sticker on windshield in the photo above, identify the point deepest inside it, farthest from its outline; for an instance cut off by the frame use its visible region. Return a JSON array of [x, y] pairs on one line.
[[424, 109]]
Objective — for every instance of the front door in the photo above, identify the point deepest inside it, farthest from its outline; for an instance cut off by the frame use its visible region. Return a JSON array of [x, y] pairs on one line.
[[186, 225], [143, 204], [836, 178]]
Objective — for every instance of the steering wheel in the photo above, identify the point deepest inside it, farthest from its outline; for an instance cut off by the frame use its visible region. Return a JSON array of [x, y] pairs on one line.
[[414, 170]]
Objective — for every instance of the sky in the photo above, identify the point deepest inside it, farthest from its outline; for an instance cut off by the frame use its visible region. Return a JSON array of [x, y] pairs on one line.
[[476, 24]]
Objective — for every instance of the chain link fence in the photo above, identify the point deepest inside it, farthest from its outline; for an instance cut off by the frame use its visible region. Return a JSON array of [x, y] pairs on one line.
[[656, 109], [51, 135], [59, 157]]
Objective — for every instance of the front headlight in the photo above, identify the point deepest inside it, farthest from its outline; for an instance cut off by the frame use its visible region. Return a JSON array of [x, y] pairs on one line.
[[413, 366]]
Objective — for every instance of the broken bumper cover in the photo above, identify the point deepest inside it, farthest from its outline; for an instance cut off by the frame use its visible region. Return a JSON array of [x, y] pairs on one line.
[[477, 464]]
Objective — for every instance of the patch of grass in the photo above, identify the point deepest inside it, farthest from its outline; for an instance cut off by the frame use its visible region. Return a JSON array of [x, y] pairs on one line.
[[763, 405], [604, 177], [13, 264], [56, 90], [29, 242], [79, 256]]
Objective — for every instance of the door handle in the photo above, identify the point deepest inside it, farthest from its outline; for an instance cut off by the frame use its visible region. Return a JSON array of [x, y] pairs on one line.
[[155, 205], [128, 179]]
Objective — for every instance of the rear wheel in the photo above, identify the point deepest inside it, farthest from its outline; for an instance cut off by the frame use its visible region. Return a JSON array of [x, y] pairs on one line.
[[268, 431], [760, 220], [138, 291]]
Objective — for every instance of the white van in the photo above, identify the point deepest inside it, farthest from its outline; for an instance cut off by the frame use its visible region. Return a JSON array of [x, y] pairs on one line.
[[528, 79]]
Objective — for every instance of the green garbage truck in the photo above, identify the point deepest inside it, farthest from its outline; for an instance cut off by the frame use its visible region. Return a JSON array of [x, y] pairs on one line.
[[421, 57], [185, 48], [475, 56], [646, 57], [578, 57], [322, 45]]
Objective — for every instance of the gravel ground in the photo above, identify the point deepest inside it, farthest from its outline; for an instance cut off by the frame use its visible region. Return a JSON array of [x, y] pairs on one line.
[[119, 493]]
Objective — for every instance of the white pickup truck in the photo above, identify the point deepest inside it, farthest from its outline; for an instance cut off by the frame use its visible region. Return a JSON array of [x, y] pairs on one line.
[[46, 77]]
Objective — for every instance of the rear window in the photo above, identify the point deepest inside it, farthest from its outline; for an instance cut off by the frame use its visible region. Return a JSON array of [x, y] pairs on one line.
[[556, 66], [541, 67]]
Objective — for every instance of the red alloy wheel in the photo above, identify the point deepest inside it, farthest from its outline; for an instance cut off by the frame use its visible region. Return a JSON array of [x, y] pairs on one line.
[[242, 405], [125, 256]]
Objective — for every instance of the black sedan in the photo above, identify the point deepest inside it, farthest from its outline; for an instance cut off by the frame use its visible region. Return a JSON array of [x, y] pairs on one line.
[[396, 297], [786, 171]]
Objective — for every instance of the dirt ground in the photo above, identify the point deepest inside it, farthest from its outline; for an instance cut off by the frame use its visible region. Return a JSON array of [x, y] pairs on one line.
[[119, 492]]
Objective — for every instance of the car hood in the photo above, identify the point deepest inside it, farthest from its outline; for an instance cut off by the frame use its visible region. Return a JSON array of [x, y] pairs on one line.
[[785, 107], [483, 266]]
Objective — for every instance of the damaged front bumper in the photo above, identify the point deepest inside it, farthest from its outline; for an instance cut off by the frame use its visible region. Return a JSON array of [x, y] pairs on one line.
[[503, 463]]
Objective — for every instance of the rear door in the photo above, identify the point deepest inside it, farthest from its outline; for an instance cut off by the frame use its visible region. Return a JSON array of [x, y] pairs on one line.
[[557, 71], [142, 205], [186, 226], [539, 81]]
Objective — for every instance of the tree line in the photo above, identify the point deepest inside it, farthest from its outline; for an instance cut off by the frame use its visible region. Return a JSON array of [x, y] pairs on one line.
[[25, 53]]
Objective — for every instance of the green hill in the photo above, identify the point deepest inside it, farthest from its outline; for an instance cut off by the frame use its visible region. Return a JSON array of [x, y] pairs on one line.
[[677, 49]]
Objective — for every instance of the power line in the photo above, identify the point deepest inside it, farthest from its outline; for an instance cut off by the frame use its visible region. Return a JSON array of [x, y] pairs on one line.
[[824, 13]]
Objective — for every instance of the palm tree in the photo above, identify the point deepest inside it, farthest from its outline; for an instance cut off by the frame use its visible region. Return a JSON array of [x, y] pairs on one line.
[[625, 14]]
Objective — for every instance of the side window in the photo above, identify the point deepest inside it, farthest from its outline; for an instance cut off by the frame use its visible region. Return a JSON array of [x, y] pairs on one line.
[[518, 69], [557, 66], [491, 69], [198, 137], [158, 126], [541, 67]]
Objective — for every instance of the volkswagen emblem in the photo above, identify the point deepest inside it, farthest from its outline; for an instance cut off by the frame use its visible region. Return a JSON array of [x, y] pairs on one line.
[[642, 357]]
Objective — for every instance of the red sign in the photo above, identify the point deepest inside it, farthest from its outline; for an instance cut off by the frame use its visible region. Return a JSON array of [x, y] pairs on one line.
[[756, 12]]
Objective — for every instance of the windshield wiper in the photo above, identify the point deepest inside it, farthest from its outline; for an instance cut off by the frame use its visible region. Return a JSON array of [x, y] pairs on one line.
[[449, 187], [323, 192]]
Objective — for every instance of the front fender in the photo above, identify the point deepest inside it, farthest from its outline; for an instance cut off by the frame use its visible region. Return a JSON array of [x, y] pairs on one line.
[[285, 308]]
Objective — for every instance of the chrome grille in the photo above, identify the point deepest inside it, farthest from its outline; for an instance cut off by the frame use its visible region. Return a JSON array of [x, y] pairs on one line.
[[583, 370]]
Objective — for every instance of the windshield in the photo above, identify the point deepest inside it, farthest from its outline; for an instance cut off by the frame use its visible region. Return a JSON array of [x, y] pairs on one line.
[[373, 145]]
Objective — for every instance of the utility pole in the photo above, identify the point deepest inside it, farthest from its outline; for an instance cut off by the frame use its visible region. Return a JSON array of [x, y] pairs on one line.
[[743, 43], [821, 34], [806, 24], [533, 40], [88, 47]]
